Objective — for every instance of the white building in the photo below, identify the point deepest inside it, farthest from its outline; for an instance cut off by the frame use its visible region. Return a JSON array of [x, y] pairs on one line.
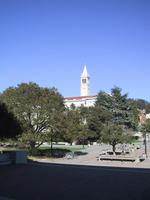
[[85, 99]]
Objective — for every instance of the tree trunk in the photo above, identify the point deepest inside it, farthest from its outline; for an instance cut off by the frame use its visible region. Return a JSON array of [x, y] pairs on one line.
[[33, 150], [83, 143], [114, 149], [51, 146]]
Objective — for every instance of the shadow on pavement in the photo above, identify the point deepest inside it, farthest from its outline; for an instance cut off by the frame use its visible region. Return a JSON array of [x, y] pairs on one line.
[[38, 180]]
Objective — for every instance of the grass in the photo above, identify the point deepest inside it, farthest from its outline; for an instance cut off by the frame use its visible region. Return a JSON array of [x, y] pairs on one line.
[[64, 147], [44, 151], [57, 152]]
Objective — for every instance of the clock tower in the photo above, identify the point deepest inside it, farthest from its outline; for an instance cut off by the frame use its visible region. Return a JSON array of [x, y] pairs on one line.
[[85, 83]]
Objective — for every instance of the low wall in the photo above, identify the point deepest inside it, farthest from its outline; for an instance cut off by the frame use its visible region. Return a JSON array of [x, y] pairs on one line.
[[13, 157]]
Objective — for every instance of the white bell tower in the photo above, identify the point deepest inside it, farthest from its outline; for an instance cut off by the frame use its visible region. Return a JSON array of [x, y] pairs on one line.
[[85, 83]]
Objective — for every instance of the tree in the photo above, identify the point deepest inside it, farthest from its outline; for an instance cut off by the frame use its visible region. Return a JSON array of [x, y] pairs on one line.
[[34, 107], [104, 100], [83, 134], [147, 126], [123, 110], [77, 125], [142, 104], [113, 135], [133, 115], [73, 124], [57, 127], [9, 125], [124, 117], [96, 120]]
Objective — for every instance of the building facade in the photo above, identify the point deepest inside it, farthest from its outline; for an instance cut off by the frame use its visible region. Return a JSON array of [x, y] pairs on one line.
[[84, 99]]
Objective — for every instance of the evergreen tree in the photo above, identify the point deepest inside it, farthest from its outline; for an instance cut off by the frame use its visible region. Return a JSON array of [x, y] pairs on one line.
[[142, 105], [123, 110]]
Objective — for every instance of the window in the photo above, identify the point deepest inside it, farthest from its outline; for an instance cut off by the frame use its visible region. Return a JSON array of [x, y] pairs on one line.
[[83, 80]]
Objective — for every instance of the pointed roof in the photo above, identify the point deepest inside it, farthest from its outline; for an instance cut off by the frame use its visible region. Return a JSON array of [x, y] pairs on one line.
[[85, 73]]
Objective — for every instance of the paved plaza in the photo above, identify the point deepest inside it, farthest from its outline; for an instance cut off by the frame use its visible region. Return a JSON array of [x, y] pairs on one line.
[[38, 181], [81, 178], [91, 158]]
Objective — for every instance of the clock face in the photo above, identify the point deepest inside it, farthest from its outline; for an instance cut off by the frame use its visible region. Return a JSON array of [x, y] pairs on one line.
[[84, 80]]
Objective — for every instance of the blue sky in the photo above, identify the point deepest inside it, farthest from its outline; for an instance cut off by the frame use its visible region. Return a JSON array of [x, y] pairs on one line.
[[49, 42]]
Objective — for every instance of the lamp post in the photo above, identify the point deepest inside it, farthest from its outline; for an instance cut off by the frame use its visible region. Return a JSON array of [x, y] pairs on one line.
[[145, 143], [143, 122]]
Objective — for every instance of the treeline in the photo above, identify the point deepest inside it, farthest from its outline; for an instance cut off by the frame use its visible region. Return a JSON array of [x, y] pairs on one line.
[[34, 115]]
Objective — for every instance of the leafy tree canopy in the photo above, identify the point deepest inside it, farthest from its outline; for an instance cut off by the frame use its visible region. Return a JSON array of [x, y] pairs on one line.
[[9, 125], [34, 107], [113, 134], [96, 120], [73, 124]]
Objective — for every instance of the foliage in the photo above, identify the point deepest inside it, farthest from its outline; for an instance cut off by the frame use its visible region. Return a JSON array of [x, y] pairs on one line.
[[104, 101], [143, 105], [83, 135], [133, 115], [121, 114], [57, 126], [9, 125], [57, 152], [123, 110], [113, 134], [77, 127], [96, 120], [73, 125], [35, 108], [147, 125], [48, 152]]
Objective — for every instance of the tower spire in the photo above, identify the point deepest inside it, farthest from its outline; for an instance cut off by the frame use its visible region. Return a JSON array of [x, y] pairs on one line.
[[85, 73], [85, 82]]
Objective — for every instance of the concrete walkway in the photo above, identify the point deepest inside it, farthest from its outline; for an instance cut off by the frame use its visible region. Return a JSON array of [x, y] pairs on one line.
[[91, 158]]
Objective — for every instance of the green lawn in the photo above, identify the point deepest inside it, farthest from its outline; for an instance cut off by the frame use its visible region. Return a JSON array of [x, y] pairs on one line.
[[68, 148], [58, 151]]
